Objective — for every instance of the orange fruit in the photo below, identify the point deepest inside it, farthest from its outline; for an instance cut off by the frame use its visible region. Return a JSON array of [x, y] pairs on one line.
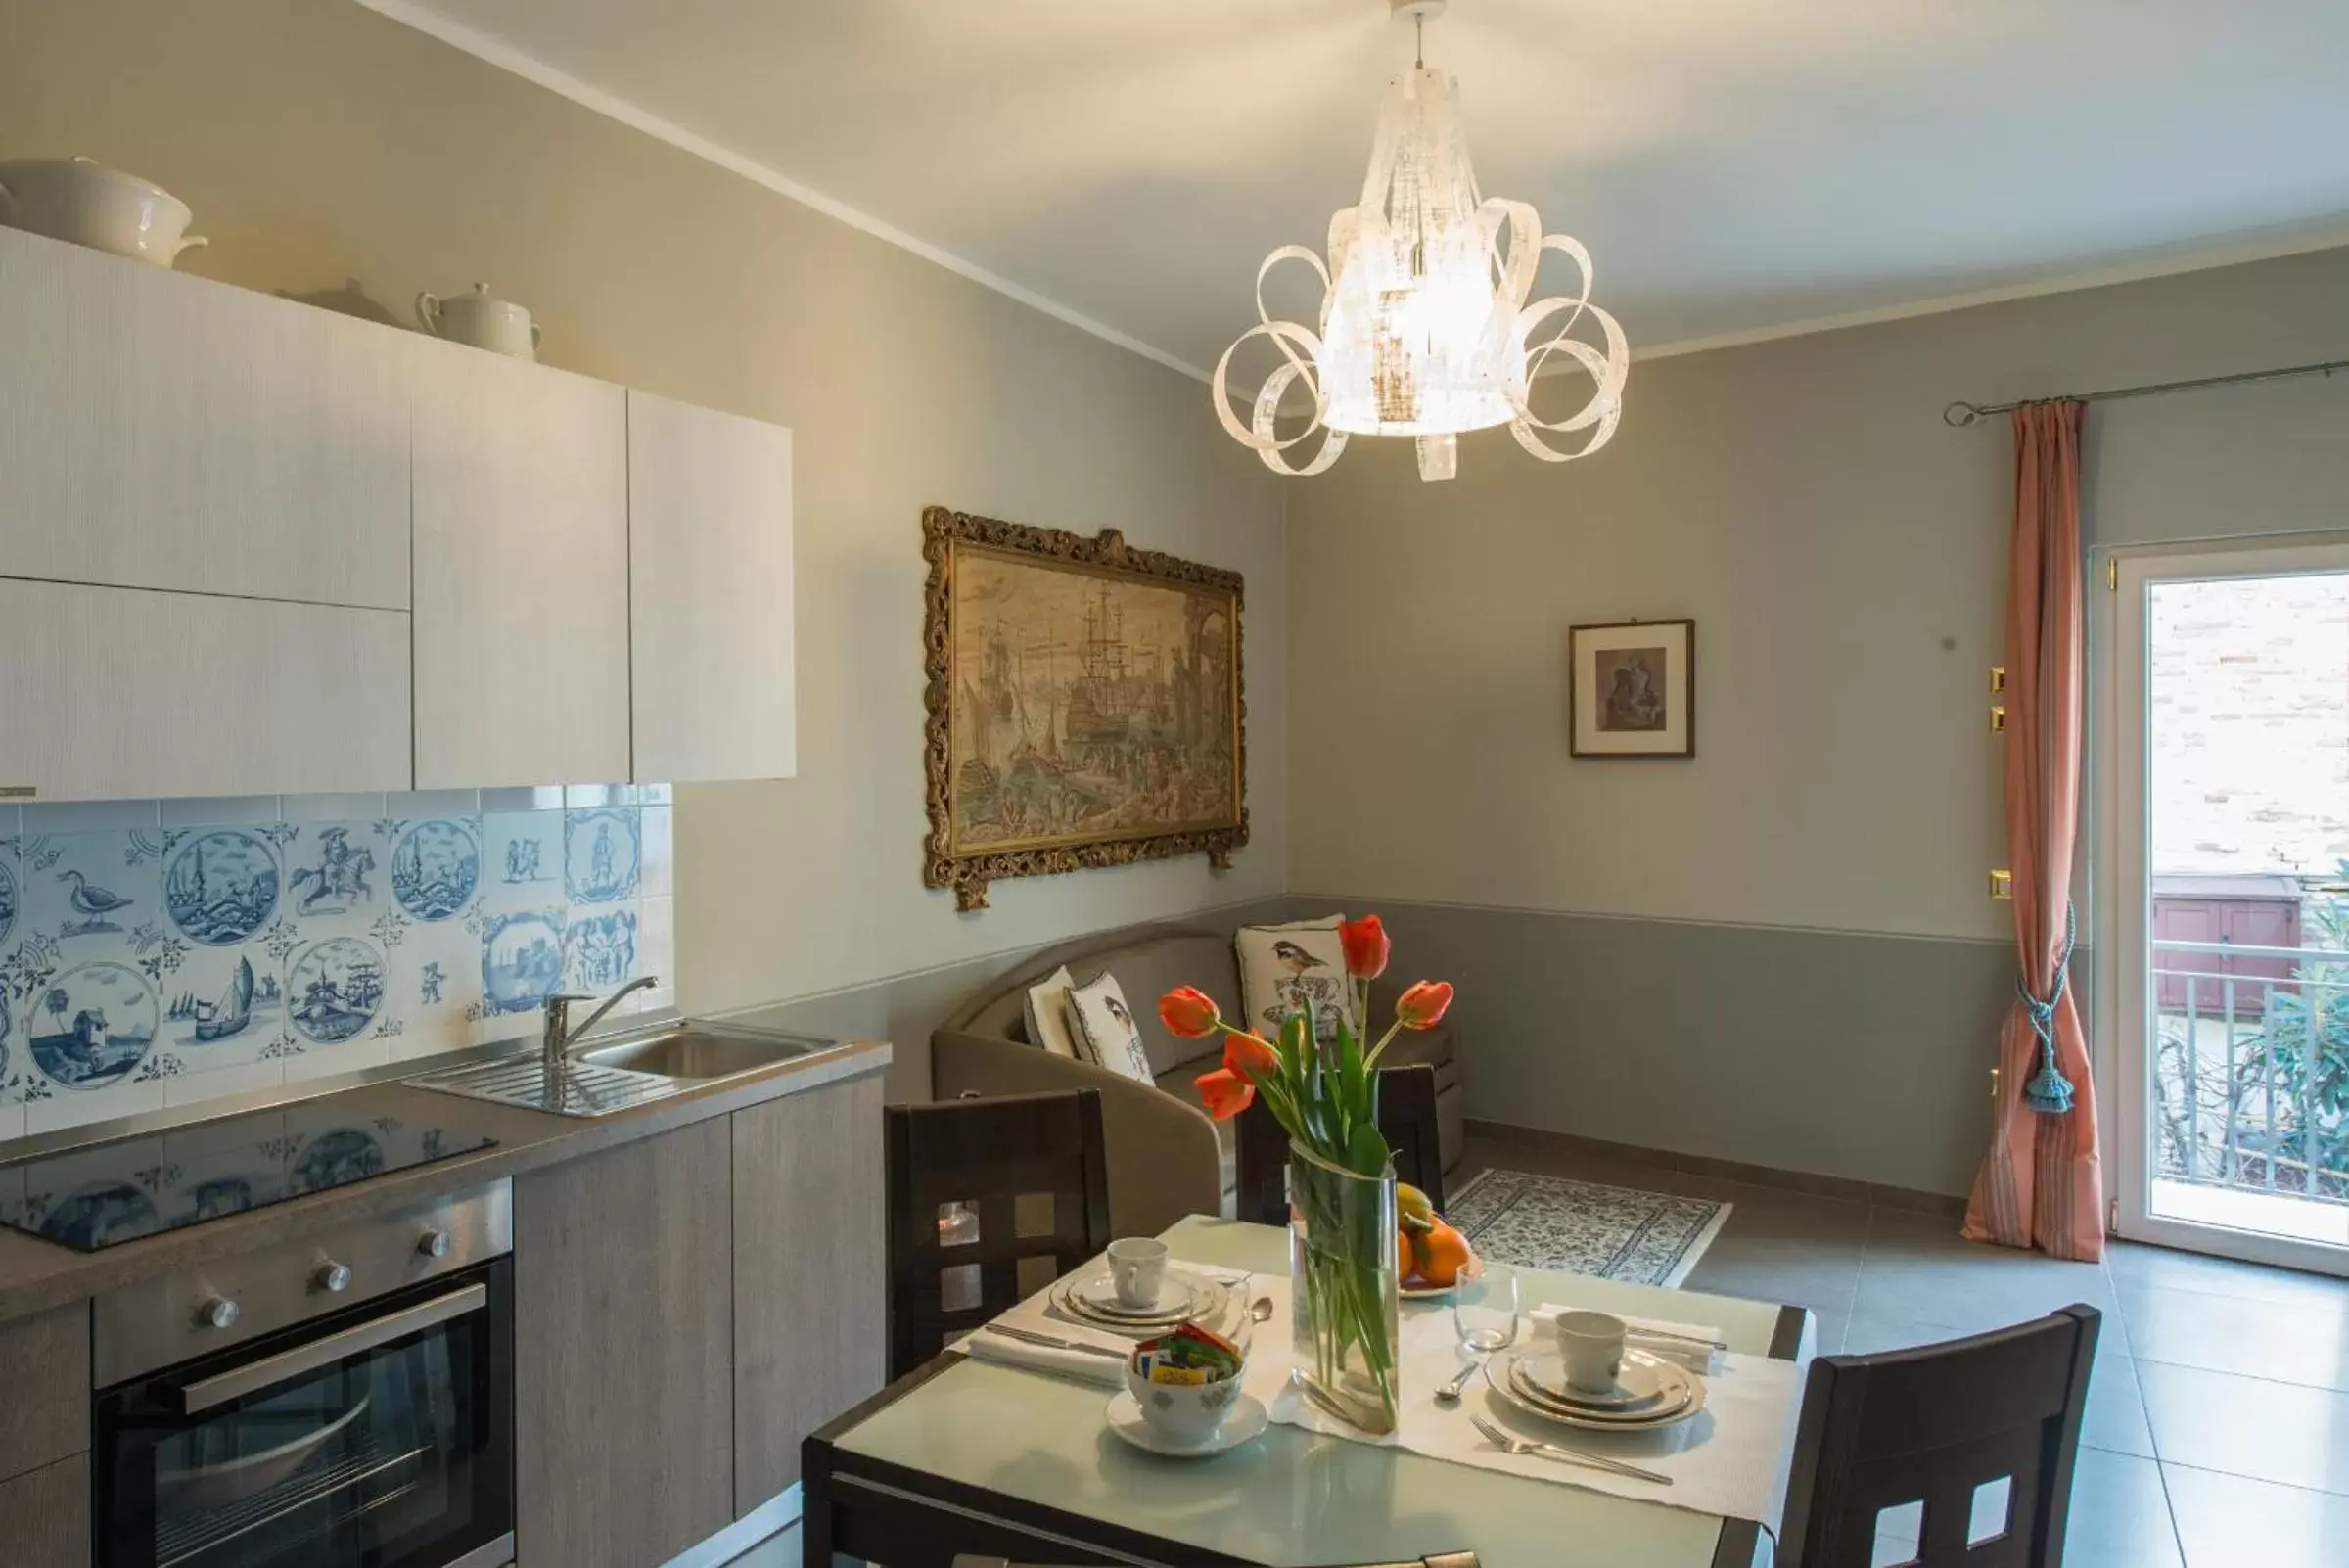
[[1443, 1252], [1407, 1258]]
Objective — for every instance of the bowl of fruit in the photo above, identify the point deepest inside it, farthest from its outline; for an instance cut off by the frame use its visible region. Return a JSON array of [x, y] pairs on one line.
[[1431, 1257]]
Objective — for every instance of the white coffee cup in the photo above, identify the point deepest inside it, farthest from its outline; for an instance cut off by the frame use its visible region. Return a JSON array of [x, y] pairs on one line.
[[1138, 1267], [1591, 1345]]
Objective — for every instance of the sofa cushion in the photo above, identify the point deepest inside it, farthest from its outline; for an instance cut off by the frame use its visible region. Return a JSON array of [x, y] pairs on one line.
[[1113, 1038], [1147, 967], [1283, 967], [1046, 1015]]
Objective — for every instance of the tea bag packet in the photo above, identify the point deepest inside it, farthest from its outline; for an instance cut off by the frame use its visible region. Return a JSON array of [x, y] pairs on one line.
[[1187, 1357]]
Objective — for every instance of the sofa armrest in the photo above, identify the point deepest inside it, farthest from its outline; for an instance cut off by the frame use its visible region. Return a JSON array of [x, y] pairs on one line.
[[1164, 1162]]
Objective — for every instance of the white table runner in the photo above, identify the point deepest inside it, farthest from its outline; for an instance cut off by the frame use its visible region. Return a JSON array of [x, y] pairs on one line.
[[1726, 1460]]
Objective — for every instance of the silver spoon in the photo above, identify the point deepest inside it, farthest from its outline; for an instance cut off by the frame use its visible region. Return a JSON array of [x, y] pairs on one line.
[[1450, 1393], [1260, 1311]]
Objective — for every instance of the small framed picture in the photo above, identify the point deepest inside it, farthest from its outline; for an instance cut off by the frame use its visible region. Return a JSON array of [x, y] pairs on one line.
[[1632, 690]]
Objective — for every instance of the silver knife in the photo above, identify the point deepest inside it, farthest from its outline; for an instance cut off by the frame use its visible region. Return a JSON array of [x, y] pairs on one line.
[[1029, 1336]]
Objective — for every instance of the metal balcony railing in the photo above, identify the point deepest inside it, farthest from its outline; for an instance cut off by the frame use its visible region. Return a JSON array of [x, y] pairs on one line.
[[2252, 1068]]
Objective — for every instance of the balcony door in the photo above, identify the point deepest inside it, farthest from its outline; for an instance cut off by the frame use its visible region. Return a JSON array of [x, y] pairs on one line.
[[2222, 1016]]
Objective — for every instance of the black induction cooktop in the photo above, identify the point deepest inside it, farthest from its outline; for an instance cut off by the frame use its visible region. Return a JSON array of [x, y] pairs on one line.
[[104, 1194]]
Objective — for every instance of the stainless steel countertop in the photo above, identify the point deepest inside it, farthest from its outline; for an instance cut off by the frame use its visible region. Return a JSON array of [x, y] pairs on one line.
[[36, 1275]]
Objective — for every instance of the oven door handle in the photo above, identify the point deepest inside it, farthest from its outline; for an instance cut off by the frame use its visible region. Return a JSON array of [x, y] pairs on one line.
[[206, 1392]]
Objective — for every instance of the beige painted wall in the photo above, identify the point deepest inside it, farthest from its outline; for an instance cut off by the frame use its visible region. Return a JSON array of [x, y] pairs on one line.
[[320, 141], [1842, 552]]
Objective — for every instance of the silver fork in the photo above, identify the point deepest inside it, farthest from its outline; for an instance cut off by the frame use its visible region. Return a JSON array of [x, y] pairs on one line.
[[1550, 1450], [1027, 1336]]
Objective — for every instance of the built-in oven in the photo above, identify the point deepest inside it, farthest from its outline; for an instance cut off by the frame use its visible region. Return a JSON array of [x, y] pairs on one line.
[[334, 1402]]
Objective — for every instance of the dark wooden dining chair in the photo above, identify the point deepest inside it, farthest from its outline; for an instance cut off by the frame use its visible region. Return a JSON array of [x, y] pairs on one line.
[[1930, 1428], [1406, 1120], [1031, 1172]]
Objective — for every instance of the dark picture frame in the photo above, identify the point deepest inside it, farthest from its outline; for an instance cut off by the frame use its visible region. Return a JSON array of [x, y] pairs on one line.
[[1630, 689]]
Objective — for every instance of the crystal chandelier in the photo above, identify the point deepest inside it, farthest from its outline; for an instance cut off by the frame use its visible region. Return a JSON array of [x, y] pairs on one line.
[[1425, 329]]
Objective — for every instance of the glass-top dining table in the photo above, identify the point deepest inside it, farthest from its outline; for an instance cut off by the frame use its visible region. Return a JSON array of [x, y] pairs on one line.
[[962, 1456]]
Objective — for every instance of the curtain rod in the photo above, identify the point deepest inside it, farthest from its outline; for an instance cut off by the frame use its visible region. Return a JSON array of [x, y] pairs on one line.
[[1963, 414]]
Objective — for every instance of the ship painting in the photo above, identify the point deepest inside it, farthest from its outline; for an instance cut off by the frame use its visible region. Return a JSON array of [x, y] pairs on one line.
[[210, 1020], [1088, 706]]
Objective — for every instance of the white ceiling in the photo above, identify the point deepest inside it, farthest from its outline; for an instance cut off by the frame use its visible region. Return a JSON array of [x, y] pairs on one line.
[[1736, 166]]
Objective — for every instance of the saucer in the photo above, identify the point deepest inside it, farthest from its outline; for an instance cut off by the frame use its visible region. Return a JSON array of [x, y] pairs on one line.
[[1246, 1422], [1683, 1397], [1186, 1299], [1641, 1381]]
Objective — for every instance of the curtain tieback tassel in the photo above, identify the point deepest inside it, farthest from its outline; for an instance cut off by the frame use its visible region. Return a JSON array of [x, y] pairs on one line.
[[2048, 1092]]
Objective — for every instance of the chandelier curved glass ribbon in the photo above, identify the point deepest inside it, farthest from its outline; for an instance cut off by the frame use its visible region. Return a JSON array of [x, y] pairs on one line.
[[1425, 324]]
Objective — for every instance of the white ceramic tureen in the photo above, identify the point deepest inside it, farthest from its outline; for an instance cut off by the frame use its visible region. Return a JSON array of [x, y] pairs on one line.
[[78, 200]]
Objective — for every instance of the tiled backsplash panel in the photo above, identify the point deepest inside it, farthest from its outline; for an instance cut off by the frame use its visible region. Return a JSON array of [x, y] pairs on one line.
[[155, 952]]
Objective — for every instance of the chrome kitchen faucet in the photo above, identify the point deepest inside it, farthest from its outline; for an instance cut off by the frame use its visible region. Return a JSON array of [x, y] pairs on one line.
[[561, 1036]]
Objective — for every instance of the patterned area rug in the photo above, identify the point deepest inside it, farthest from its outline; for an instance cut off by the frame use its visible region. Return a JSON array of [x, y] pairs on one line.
[[1543, 1221]]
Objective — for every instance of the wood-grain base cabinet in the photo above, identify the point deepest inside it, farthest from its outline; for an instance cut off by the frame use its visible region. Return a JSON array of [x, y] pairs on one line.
[[809, 1274], [45, 1516], [623, 1352]]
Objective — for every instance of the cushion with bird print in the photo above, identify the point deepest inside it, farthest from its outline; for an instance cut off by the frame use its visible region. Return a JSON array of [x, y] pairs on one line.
[[1282, 968], [1050, 1024], [1112, 1039]]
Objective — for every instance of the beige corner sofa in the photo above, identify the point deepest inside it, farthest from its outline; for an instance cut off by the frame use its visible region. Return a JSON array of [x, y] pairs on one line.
[[1166, 1159]]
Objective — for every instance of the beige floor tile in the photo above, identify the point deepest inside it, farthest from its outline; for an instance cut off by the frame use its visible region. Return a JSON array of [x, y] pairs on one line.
[[2226, 1521], [2115, 1419], [2120, 1518], [2280, 1432], [780, 1551], [2132, 1264]]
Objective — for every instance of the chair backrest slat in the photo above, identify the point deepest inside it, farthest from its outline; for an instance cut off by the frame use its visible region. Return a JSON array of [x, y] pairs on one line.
[[1930, 1428], [1033, 1172]]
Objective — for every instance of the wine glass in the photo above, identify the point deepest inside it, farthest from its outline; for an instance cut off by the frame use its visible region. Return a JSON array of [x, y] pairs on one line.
[[1484, 1311]]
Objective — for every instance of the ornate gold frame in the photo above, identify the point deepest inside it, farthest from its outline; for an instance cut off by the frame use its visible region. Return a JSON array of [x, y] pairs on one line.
[[943, 533]]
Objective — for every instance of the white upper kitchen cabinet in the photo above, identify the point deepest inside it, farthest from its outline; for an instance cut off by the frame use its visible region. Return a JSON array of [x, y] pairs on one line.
[[122, 693], [711, 606], [522, 573], [165, 432]]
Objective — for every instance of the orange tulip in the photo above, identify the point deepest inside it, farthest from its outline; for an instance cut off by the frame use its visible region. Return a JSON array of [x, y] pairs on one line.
[[1189, 1011], [1248, 1057], [1366, 946], [1224, 1094], [1424, 1004]]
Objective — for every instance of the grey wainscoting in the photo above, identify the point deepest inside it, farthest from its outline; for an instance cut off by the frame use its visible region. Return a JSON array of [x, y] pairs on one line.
[[1836, 1053], [904, 1010]]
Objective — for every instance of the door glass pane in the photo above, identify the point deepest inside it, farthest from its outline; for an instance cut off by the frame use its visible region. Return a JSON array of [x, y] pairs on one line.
[[2248, 791], [357, 1463]]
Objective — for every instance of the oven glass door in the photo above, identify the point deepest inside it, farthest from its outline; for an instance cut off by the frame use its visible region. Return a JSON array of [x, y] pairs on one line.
[[381, 1437]]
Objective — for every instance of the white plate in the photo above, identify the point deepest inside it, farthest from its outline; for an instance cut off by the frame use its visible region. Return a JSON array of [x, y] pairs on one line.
[[1499, 1377], [1641, 1381], [1474, 1270], [1246, 1422], [1186, 1299], [1100, 1293], [1647, 1414]]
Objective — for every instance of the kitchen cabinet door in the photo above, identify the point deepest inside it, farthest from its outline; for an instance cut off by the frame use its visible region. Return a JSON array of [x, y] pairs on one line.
[[622, 1334], [811, 1283], [165, 432], [710, 567], [45, 1516], [120, 693], [522, 573]]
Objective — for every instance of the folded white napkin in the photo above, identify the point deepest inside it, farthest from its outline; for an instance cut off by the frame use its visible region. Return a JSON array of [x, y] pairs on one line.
[[1690, 1345], [985, 1347]]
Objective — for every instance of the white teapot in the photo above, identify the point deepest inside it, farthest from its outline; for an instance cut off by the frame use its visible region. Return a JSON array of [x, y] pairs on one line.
[[481, 319], [75, 199]]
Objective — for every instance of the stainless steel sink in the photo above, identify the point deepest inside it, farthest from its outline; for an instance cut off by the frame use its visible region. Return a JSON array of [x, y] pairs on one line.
[[631, 1070], [701, 1054]]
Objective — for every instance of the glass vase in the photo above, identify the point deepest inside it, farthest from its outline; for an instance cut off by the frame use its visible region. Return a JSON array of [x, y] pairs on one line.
[[1343, 1284]]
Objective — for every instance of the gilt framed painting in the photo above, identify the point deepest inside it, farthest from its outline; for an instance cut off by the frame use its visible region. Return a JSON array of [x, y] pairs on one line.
[[1631, 689], [1083, 705]]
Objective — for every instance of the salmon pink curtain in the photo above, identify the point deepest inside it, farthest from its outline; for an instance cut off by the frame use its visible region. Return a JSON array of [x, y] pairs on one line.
[[2041, 1185]]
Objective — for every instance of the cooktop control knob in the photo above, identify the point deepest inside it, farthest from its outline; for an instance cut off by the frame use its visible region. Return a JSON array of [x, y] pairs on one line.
[[218, 1312], [433, 1243], [332, 1276]]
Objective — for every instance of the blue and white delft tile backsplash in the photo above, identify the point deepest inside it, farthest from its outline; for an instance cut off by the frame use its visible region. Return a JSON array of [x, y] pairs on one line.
[[160, 952]]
